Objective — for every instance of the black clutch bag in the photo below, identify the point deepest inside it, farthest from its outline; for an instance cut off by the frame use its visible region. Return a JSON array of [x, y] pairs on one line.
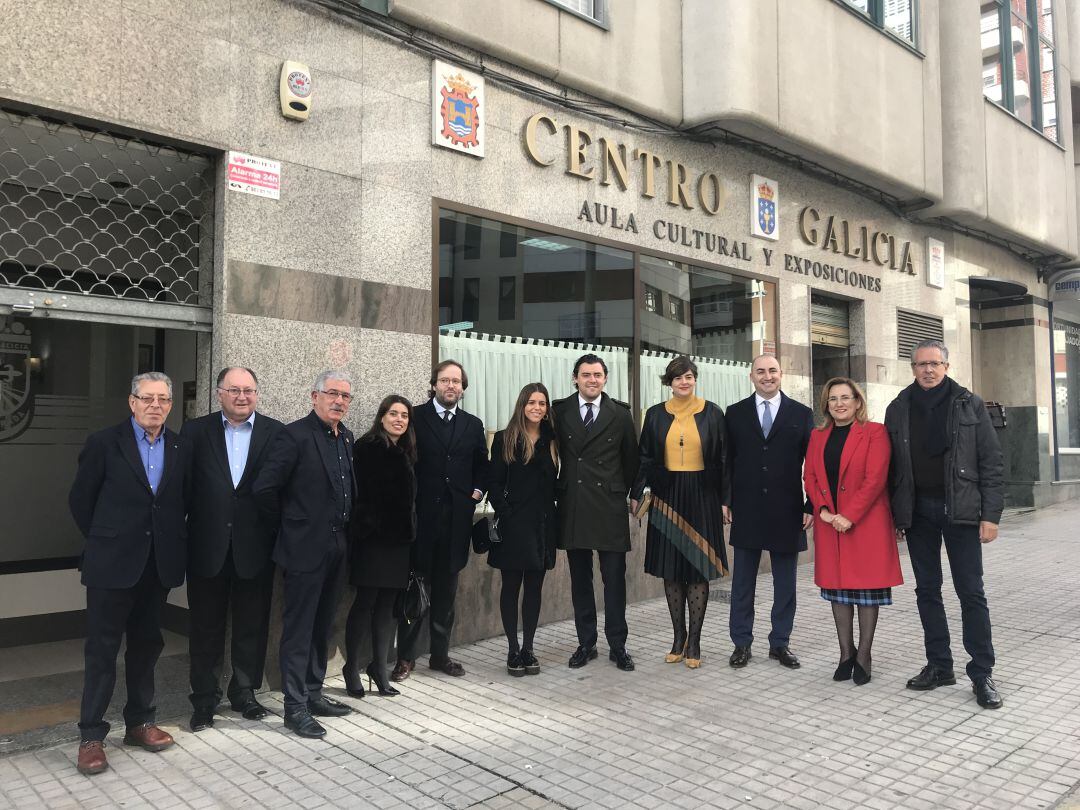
[[413, 602]]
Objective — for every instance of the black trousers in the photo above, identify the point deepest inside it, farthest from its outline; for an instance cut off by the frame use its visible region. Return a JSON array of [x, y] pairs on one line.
[[441, 586], [613, 573], [307, 622], [111, 614], [785, 565], [210, 600], [371, 618], [929, 527]]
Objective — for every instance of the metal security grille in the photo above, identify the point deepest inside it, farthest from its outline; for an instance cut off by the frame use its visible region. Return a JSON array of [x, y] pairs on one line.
[[88, 211], [911, 327]]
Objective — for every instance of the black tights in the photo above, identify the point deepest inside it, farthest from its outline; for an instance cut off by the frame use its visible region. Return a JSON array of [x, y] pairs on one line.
[[681, 596], [372, 612], [530, 606], [844, 617]]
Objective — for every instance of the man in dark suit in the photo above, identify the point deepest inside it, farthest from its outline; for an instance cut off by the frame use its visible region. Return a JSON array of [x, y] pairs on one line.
[[599, 452], [451, 475], [229, 548], [128, 502], [768, 433], [305, 487]]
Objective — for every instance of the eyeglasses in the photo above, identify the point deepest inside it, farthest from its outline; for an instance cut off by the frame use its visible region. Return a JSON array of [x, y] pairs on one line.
[[344, 396], [236, 392], [449, 381], [844, 399], [929, 365], [150, 399]]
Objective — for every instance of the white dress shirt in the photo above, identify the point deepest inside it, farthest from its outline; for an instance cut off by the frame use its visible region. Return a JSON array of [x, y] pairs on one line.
[[774, 406], [582, 402]]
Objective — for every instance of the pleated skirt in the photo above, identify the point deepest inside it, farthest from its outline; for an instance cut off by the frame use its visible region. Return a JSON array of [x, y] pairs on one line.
[[685, 539], [866, 597]]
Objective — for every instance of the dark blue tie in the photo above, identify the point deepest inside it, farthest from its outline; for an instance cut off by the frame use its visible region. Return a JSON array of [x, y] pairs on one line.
[[588, 416]]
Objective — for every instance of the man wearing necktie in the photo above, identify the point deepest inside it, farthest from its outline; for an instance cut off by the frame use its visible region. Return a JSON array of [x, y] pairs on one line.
[[128, 502], [599, 458], [768, 433], [230, 548]]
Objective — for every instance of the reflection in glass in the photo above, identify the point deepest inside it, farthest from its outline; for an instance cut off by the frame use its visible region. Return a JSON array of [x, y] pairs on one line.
[[991, 51], [898, 18], [1067, 379], [1022, 88]]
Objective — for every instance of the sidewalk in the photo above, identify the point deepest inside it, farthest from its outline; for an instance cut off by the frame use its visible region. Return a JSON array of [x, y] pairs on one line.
[[663, 736]]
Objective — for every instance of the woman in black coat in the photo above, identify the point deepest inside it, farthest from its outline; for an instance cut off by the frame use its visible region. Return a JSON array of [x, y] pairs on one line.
[[524, 465], [682, 462], [381, 534]]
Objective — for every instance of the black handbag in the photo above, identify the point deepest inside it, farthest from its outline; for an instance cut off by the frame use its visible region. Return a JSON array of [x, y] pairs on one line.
[[486, 530], [413, 602]]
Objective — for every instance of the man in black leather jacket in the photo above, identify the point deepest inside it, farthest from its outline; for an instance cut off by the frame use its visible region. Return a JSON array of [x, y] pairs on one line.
[[946, 483]]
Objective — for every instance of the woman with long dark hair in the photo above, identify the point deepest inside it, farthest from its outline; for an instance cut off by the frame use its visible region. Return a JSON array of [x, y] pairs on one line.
[[381, 533], [524, 465], [682, 462]]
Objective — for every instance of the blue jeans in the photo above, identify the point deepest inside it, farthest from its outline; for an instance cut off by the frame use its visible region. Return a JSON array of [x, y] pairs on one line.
[[929, 526]]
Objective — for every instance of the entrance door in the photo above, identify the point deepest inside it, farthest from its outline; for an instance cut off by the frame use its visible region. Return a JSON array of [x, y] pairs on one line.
[[830, 339]]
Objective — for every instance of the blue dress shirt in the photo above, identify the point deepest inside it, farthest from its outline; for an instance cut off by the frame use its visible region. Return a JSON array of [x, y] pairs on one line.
[[237, 444], [152, 454]]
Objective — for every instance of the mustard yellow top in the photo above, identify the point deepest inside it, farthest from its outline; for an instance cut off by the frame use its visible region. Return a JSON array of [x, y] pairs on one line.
[[682, 448]]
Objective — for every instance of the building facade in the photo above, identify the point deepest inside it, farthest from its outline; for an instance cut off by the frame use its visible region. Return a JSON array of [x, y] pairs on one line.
[[511, 184]]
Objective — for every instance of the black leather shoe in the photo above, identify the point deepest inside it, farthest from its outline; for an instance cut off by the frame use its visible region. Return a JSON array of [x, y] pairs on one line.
[[447, 666], [304, 725], [582, 656], [251, 709], [931, 678], [622, 659], [202, 719], [528, 660], [860, 676], [986, 693], [328, 707], [740, 657], [843, 669], [514, 666], [785, 656]]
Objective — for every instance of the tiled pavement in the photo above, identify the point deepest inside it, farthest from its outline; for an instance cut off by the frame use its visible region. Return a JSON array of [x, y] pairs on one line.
[[664, 736]]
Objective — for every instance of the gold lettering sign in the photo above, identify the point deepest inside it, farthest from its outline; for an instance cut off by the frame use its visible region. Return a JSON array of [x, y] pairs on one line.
[[855, 241], [612, 163]]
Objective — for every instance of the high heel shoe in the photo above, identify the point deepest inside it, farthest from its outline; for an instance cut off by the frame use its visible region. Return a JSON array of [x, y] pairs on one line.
[[860, 676], [354, 685], [385, 689], [843, 671], [693, 653], [677, 654]]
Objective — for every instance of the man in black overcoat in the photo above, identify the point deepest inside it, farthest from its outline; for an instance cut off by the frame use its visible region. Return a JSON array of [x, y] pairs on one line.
[[229, 548], [128, 502], [306, 488], [451, 477], [599, 456], [768, 433]]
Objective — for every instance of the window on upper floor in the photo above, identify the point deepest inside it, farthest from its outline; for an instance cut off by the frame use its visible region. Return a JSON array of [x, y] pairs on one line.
[[895, 16], [595, 10], [1019, 62]]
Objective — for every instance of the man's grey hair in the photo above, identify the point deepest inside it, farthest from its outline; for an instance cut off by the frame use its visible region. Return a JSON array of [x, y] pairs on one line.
[[150, 376], [329, 374], [930, 344]]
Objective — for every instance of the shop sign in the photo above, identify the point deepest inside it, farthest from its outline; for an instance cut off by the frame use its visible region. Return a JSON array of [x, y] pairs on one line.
[[457, 109], [1066, 287], [16, 402], [855, 241], [935, 263], [254, 175], [764, 207]]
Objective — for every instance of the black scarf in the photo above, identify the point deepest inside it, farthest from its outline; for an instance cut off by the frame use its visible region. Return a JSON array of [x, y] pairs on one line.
[[933, 406]]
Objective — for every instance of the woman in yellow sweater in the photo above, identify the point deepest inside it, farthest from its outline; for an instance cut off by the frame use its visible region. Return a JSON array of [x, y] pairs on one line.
[[682, 462]]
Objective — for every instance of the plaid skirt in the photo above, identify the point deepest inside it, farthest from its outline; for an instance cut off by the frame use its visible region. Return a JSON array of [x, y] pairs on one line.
[[866, 597]]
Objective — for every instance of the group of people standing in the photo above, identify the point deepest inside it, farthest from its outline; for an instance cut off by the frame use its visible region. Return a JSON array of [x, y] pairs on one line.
[[237, 494]]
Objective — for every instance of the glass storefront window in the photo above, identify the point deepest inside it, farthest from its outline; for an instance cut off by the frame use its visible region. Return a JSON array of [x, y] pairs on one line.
[[1066, 372]]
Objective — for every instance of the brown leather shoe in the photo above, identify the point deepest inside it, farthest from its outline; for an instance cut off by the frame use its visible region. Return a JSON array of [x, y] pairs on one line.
[[92, 757], [402, 669], [148, 737], [447, 666]]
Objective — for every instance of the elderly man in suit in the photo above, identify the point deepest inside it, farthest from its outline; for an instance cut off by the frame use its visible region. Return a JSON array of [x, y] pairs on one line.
[[128, 502], [768, 433], [451, 477], [229, 548], [598, 448], [306, 488]]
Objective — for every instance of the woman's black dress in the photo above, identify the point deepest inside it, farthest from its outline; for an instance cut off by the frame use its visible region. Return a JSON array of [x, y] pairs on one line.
[[523, 496], [383, 524]]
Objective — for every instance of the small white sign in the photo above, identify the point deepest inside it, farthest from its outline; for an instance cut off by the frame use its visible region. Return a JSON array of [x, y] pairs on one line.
[[254, 175], [457, 109], [935, 263], [764, 207]]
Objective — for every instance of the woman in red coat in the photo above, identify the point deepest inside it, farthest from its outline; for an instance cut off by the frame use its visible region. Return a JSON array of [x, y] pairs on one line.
[[856, 562]]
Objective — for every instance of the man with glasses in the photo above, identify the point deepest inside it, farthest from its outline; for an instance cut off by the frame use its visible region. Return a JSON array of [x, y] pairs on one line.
[[946, 484], [128, 502], [305, 487], [229, 548], [451, 475]]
